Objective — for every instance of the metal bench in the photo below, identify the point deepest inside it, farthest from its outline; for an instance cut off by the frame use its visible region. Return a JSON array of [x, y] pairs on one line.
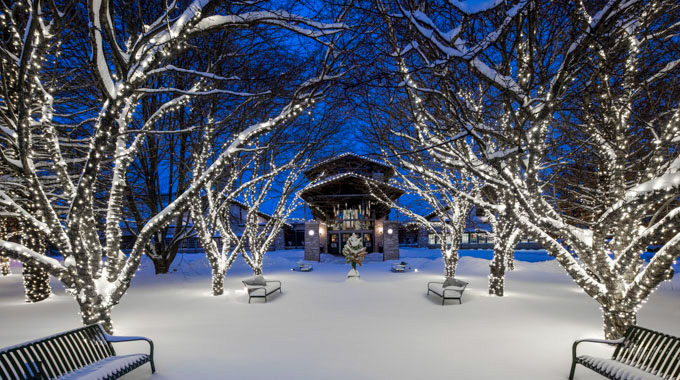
[[453, 291], [640, 354], [399, 267], [261, 291], [83, 353], [302, 267]]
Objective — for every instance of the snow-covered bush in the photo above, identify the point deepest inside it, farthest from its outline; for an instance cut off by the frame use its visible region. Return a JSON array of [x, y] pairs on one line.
[[354, 251]]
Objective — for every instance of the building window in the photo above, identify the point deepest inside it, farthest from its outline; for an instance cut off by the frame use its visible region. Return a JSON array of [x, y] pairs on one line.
[[465, 238], [473, 238], [481, 238], [432, 239]]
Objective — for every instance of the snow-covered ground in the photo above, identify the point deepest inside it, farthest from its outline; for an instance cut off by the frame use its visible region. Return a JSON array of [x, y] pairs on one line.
[[323, 326]]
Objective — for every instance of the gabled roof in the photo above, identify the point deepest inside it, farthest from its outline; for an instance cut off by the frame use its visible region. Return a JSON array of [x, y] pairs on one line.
[[341, 176], [346, 155]]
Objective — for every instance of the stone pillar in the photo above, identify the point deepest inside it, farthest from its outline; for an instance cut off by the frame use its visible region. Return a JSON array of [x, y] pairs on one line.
[[312, 240], [391, 240], [423, 238]]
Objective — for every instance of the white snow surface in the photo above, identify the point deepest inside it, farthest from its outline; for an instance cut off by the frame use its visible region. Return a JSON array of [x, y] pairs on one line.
[[325, 326]]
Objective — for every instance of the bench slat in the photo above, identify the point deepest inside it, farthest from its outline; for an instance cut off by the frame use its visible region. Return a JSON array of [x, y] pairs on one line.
[[626, 350], [15, 365], [63, 353], [638, 346], [665, 355], [641, 348], [45, 363], [656, 355], [650, 350], [5, 370], [93, 344], [105, 346], [71, 350], [674, 370], [79, 349], [86, 341], [53, 352]]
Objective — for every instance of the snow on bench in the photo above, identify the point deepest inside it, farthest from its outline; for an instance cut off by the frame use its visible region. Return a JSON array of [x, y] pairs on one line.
[[450, 289], [83, 353], [641, 354], [258, 287]]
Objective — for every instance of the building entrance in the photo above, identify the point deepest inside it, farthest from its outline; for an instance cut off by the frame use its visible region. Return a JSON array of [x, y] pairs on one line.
[[334, 244], [337, 241]]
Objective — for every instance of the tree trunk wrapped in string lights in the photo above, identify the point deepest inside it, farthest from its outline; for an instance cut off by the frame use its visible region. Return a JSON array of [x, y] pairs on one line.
[[435, 186], [86, 145], [4, 267], [36, 280], [506, 236], [590, 164], [258, 234]]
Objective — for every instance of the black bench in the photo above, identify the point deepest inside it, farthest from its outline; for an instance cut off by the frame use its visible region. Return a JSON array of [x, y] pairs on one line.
[[85, 353], [640, 354], [262, 289], [450, 289]]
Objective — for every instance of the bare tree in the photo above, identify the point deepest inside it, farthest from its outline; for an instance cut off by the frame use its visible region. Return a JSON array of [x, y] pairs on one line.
[[124, 75], [554, 79]]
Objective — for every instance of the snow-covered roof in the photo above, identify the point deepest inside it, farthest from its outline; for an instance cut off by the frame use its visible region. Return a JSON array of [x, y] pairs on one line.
[[345, 155], [345, 175]]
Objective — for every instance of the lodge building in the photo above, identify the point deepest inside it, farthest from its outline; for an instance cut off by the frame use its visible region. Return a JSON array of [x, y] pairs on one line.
[[340, 200]]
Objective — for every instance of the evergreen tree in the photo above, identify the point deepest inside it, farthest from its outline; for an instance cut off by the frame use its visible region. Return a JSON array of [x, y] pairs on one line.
[[354, 251]]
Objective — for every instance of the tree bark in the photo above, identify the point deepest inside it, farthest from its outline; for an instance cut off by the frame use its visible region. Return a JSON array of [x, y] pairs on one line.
[[92, 313], [257, 271], [161, 265], [36, 283], [617, 320], [450, 264], [217, 282], [4, 267], [36, 280], [497, 273]]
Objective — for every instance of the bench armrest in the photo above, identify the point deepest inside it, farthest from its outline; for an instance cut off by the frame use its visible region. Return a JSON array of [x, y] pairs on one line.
[[117, 339], [451, 289], [434, 282], [268, 281], [604, 341]]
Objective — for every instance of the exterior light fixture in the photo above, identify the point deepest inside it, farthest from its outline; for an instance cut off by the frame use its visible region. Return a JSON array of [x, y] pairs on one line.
[[389, 231], [380, 230], [311, 232]]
